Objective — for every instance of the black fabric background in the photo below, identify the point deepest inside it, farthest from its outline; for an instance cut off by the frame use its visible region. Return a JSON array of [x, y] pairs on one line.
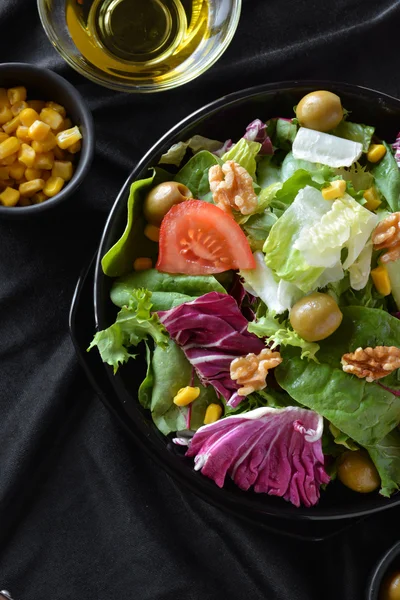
[[83, 512]]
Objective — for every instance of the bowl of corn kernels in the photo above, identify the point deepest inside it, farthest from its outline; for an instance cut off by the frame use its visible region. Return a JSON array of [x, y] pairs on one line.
[[46, 139]]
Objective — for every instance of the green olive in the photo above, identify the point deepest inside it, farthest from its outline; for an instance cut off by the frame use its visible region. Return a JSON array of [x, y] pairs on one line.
[[320, 110], [357, 471], [315, 317], [391, 587], [161, 198]]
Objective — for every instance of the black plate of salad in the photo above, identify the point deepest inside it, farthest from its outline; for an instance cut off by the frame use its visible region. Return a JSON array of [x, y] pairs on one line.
[[246, 298]]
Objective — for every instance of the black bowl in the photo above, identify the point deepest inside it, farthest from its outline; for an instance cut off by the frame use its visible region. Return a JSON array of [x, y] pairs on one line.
[[43, 84], [386, 565], [227, 118]]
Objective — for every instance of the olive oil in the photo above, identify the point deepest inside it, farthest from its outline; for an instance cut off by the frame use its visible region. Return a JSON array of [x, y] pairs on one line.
[[137, 38]]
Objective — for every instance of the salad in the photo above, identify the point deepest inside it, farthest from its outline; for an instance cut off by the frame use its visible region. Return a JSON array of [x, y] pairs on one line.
[[262, 276]]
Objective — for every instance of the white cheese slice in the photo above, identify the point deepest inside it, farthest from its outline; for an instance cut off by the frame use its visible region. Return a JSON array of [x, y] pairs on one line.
[[325, 148]]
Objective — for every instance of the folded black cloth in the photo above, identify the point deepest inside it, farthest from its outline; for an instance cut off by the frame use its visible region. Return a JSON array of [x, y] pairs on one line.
[[84, 513]]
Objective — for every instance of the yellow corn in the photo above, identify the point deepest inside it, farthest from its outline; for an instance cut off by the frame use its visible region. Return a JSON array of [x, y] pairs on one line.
[[68, 137], [186, 395], [142, 264], [335, 190], [51, 117], [33, 174], [381, 280], [22, 134], [8, 147], [75, 147], [5, 115], [59, 154], [24, 201], [45, 161], [16, 170], [67, 124], [29, 188], [9, 160], [28, 116], [152, 232], [37, 105], [63, 169], [39, 131], [26, 155], [16, 94], [4, 101], [376, 152], [3, 136], [57, 107], [9, 197], [372, 197], [17, 108], [213, 413], [46, 145], [53, 186], [45, 174], [12, 125], [38, 198], [4, 173]]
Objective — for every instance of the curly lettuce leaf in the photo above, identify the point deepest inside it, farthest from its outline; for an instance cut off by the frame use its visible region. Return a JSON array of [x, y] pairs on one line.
[[244, 153], [357, 175], [134, 323]]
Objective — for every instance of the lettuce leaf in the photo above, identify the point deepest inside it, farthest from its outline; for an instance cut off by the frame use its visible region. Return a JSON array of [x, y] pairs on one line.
[[325, 148], [319, 173], [355, 132], [268, 171], [195, 175], [257, 228], [387, 178], [361, 268], [357, 175], [176, 154], [244, 153], [386, 457], [134, 323], [284, 134]]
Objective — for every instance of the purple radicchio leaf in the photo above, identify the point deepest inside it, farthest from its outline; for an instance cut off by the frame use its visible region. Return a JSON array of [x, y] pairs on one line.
[[212, 332], [275, 451], [396, 148], [256, 131], [227, 145], [245, 300]]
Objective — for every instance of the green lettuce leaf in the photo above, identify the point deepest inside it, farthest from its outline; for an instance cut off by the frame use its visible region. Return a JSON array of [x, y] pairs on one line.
[[194, 174], [284, 134], [357, 175], [134, 323], [364, 411], [318, 172], [257, 228], [146, 387], [393, 269], [268, 397], [244, 153], [386, 457], [176, 154], [355, 132], [342, 439], [291, 187], [268, 171], [387, 178], [167, 290]]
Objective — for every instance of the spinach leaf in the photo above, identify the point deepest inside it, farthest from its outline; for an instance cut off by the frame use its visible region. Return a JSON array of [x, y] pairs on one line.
[[195, 174], [133, 243], [386, 457], [364, 411], [167, 290], [171, 372], [258, 227], [355, 132], [387, 178]]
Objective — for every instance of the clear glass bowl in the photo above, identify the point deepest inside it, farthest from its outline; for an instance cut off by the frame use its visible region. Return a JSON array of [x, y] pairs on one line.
[[222, 21]]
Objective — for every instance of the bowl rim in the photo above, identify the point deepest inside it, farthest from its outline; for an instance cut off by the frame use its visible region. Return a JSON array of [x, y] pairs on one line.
[[380, 569], [86, 154], [234, 17], [215, 496]]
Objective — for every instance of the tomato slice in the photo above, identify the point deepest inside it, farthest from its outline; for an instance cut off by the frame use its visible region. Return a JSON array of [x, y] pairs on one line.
[[198, 238]]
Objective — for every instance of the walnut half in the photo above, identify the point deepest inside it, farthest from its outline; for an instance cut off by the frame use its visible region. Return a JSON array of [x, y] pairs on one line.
[[387, 235], [372, 363], [232, 188], [250, 371]]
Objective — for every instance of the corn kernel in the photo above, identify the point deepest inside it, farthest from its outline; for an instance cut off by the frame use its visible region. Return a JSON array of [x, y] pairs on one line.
[[44, 161], [59, 154], [38, 131], [9, 197], [3, 136], [37, 105], [31, 187], [372, 197], [68, 137], [335, 190], [22, 134], [27, 155], [46, 145], [5, 115], [8, 147], [53, 186], [67, 124], [142, 264], [376, 152], [45, 174], [152, 232], [51, 117], [17, 108], [24, 201], [16, 94], [33, 174], [186, 395], [12, 125], [38, 198], [17, 170], [63, 169], [4, 173], [4, 101], [28, 116], [213, 413], [75, 147], [57, 107], [9, 160], [381, 280]]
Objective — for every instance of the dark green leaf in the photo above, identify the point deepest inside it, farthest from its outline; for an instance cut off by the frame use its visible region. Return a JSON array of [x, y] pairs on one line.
[[387, 178], [355, 132], [195, 174]]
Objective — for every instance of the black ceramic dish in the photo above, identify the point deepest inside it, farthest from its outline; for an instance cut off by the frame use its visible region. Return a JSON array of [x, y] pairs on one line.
[[389, 563], [227, 118], [43, 84]]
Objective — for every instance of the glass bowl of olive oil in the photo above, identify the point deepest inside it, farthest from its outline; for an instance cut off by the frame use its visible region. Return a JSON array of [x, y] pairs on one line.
[[140, 45]]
